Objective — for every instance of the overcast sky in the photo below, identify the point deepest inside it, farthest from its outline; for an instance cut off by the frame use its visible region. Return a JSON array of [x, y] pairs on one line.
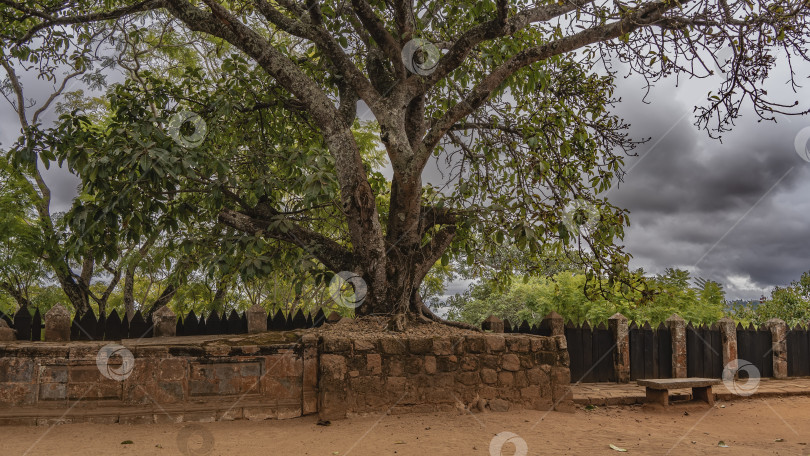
[[736, 212]]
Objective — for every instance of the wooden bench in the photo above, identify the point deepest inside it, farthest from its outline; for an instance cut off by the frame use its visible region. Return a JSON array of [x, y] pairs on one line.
[[658, 388]]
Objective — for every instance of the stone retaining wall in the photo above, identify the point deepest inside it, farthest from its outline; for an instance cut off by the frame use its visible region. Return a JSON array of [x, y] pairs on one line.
[[253, 377], [487, 372]]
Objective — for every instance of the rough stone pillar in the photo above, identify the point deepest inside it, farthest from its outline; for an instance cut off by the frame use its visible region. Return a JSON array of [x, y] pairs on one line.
[[256, 319], [493, 324], [778, 346], [621, 336], [677, 329], [57, 324], [6, 333], [165, 322], [728, 335], [555, 321]]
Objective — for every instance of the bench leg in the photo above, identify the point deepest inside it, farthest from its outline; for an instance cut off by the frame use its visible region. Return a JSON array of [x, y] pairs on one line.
[[658, 396], [703, 394]]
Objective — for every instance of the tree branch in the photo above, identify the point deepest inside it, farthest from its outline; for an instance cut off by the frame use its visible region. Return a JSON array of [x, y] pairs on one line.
[[645, 16]]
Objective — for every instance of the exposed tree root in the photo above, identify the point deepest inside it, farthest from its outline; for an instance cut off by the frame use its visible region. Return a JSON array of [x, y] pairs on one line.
[[427, 315]]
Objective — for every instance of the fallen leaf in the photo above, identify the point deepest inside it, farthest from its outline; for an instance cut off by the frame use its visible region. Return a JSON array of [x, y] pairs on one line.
[[399, 442], [590, 407], [127, 442], [620, 450], [722, 444], [779, 440]]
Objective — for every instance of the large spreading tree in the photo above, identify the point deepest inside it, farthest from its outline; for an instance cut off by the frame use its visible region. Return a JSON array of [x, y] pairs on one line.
[[513, 99]]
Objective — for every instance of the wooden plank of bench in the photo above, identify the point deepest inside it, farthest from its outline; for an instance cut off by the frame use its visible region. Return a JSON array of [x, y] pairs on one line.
[[674, 383]]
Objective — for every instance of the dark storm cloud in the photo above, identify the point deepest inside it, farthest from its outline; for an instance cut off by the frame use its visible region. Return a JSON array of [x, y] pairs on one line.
[[735, 211]]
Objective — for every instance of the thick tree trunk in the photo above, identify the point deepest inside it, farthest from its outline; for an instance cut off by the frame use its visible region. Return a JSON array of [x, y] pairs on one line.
[[219, 297], [129, 292], [77, 296]]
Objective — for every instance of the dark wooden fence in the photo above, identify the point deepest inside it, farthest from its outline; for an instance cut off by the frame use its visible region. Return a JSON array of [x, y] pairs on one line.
[[591, 352], [704, 351], [525, 328], [798, 351], [650, 351], [754, 345], [114, 327]]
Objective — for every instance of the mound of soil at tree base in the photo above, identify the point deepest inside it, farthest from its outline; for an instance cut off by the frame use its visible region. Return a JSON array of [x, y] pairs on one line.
[[376, 326]]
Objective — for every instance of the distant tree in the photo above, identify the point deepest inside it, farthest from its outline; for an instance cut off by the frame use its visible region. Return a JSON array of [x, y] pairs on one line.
[[654, 299], [790, 304]]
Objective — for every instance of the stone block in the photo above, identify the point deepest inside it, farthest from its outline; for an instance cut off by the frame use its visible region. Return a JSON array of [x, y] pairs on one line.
[[336, 344], [778, 330], [256, 319], [469, 363], [442, 346], [476, 344], [518, 344], [510, 362], [52, 391], [447, 363], [374, 363], [493, 324], [677, 328], [333, 367], [392, 346], [57, 324], [430, 364], [364, 345], [555, 323], [414, 365], [506, 379], [7, 334], [165, 322], [498, 405], [495, 343], [468, 378], [172, 369], [489, 376], [621, 355], [17, 370]]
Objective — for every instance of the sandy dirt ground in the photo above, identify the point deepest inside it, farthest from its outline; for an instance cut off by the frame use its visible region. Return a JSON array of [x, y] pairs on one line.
[[752, 426]]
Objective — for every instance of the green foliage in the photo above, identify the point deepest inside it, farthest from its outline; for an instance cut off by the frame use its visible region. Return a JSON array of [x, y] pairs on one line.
[[565, 293], [790, 304]]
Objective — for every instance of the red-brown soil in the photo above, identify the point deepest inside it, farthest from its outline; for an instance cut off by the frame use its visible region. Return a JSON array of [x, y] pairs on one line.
[[752, 426]]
